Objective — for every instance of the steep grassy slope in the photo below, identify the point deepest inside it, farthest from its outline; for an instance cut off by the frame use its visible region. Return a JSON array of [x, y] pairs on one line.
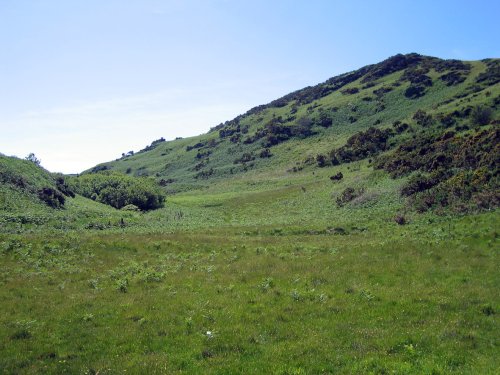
[[290, 132]]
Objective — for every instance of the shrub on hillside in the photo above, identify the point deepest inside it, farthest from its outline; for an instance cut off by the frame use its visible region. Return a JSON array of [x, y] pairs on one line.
[[63, 187], [492, 74], [30, 178], [415, 91], [348, 195], [337, 177], [419, 182], [52, 197], [481, 115], [422, 118], [321, 160], [400, 127], [265, 153], [453, 78], [324, 120], [350, 91], [303, 127], [454, 169], [245, 158], [119, 190], [361, 145]]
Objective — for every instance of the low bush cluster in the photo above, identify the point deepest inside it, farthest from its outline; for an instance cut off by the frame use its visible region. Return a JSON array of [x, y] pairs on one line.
[[118, 190], [152, 146], [348, 195], [361, 145], [52, 197], [452, 169], [491, 75]]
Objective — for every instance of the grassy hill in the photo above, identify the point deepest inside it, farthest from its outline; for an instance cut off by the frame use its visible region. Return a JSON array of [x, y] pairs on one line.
[[272, 165], [288, 133], [33, 199], [349, 227]]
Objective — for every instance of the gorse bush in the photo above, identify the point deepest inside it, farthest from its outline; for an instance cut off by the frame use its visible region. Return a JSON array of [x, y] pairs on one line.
[[481, 115], [452, 169], [119, 190], [361, 145], [52, 197]]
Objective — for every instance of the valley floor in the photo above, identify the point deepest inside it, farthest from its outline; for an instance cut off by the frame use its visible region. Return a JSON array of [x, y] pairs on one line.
[[413, 299]]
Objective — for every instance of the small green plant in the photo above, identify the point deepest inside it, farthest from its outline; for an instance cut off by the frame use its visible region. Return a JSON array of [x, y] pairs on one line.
[[296, 295], [122, 285], [266, 284], [87, 317], [94, 284]]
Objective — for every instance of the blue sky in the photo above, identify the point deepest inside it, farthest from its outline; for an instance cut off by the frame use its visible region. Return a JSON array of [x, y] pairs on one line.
[[82, 81]]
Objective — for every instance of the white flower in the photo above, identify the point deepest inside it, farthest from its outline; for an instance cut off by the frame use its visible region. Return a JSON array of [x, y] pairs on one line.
[[209, 334]]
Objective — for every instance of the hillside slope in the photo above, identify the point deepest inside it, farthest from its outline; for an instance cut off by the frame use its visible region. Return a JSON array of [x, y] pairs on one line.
[[357, 152], [33, 198], [289, 133]]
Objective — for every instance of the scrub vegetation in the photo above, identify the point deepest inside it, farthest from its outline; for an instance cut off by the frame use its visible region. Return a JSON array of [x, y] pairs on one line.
[[348, 227]]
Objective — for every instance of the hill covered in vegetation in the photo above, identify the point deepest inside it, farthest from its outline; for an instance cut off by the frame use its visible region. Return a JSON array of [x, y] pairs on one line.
[[434, 119], [348, 227]]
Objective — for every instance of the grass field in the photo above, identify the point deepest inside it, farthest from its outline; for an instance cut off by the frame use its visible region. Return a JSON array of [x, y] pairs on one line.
[[190, 295]]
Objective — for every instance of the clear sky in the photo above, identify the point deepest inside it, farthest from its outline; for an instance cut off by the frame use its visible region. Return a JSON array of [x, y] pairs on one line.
[[82, 81]]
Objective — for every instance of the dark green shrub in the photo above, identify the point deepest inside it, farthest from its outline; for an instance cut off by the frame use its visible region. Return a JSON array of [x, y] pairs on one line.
[[205, 174], [350, 91], [447, 120], [201, 154], [380, 92], [453, 78], [415, 91], [165, 182], [337, 177], [245, 158], [153, 145], [418, 183], [198, 145], [303, 127], [21, 334], [400, 219], [235, 138], [481, 115], [400, 127], [118, 190], [321, 160], [265, 153], [422, 118], [32, 158], [325, 120], [459, 170], [63, 187], [361, 145], [492, 74], [391, 65], [52, 197]]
